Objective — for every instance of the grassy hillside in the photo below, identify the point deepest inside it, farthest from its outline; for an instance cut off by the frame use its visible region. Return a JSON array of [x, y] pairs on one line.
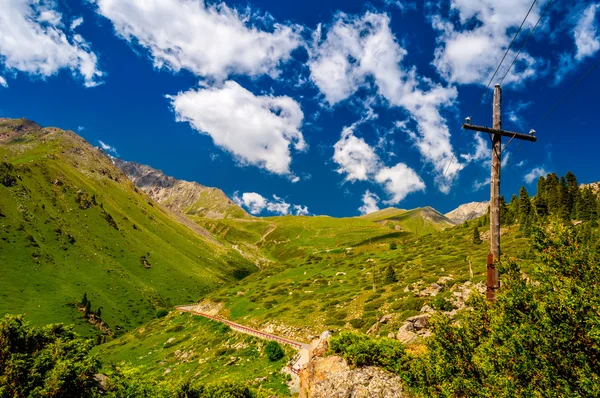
[[420, 221], [183, 347], [72, 223], [344, 285]]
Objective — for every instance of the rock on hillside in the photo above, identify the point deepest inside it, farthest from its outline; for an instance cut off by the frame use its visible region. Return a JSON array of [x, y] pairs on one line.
[[181, 196], [594, 186], [331, 376], [468, 211]]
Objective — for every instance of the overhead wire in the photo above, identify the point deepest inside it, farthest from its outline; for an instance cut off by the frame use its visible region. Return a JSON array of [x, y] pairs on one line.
[[526, 40], [490, 82]]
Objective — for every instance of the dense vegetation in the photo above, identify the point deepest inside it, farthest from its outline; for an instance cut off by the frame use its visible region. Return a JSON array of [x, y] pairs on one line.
[[541, 337], [53, 361]]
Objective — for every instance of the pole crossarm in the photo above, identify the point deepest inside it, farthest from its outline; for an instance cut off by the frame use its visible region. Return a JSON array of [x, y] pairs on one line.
[[504, 133]]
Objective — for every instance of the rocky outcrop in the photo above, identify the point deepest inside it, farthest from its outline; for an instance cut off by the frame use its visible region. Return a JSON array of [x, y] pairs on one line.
[[181, 196], [332, 377], [468, 211]]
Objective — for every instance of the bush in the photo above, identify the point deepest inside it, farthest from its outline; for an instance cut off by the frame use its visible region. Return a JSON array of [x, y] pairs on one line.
[[274, 351], [161, 313], [361, 350], [357, 323], [441, 304], [539, 338]]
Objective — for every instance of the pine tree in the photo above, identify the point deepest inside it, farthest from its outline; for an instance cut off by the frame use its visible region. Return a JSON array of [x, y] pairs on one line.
[[541, 203], [573, 193], [586, 206], [99, 312], [504, 212], [84, 300], [514, 208], [564, 200], [390, 275], [88, 309], [524, 204], [476, 236], [552, 199]]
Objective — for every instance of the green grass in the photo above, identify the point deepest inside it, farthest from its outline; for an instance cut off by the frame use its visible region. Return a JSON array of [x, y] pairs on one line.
[[197, 349], [72, 223]]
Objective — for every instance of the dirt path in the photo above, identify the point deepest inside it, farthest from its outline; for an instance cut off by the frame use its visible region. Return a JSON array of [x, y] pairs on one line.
[[295, 365]]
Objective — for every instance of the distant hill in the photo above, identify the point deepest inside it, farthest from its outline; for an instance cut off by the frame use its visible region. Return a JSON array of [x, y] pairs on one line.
[[420, 221], [181, 196], [72, 223], [468, 211]]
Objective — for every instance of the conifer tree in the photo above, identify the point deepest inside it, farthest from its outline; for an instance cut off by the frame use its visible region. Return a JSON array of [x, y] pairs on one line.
[[541, 203], [573, 193], [586, 206], [476, 236], [552, 199], [84, 300], [390, 275], [505, 217], [524, 204], [564, 200], [88, 309]]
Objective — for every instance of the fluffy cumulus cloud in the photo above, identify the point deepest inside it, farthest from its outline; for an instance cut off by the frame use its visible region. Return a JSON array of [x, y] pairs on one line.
[[358, 161], [474, 36], [534, 174], [399, 181], [370, 203], [256, 204], [34, 40], [211, 40], [3, 82], [356, 52], [257, 130]]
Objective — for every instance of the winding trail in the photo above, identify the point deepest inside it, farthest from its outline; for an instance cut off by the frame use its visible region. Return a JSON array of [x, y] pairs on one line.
[[295, 364]]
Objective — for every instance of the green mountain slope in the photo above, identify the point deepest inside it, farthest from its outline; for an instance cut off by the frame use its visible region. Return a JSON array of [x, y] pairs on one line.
[[420, 221], [72, 223]]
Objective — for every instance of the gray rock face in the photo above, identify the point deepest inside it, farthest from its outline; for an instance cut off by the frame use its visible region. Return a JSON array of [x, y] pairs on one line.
[[180, 196], [468, 211]]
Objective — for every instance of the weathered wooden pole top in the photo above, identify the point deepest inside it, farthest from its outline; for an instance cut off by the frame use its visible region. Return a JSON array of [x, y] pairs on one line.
[[504, 133]]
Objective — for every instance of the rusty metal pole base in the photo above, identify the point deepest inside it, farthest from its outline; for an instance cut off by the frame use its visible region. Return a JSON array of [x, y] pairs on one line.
[[491, 278]]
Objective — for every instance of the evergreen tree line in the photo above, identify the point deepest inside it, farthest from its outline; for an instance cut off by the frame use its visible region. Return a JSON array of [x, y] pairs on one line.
[[556, 197]]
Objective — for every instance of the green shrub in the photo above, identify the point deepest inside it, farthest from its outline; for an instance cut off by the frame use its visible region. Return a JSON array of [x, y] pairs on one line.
[[441, 304], [274, 351], [539, 338], [357, 323], [161, 313], [361, 350]]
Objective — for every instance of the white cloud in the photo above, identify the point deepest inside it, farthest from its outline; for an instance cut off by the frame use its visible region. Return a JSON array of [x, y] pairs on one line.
[[256, 204], [477, 185], [257, 130], [300, 210], [80, 129], [481, 151], [210, 40], [108, 148], [585, 33], [34, 40], [356, 51], [357, 160], [370, 201], [76, 23], [474, 37], [521, 163], [3, 82], [587, 43], [399, 181], [534, 174]]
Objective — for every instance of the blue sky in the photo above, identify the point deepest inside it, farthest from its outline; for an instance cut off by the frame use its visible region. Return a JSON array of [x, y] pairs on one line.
[[319, 107]]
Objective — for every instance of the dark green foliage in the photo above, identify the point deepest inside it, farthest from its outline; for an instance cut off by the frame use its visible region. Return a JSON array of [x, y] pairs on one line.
[[88, 309], [49, 361], [84, 300], [586, 206], [274, 351], [161, 313], [390, 274], [540, 337], [361, 350], [357, 323], [8, 176], [111, 221], [441, 304], [393, 246], [476, 236]]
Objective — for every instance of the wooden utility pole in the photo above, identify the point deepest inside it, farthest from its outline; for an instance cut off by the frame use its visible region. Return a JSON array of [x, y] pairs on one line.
[[496, 134]]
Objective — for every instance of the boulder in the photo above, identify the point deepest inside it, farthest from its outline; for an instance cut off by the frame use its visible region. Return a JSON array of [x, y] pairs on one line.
[[420, 321], [406, 334]]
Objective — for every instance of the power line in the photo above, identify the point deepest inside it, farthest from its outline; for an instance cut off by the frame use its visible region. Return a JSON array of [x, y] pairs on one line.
[[505, 54], [567, 93], [526, 40], [489, 83]]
